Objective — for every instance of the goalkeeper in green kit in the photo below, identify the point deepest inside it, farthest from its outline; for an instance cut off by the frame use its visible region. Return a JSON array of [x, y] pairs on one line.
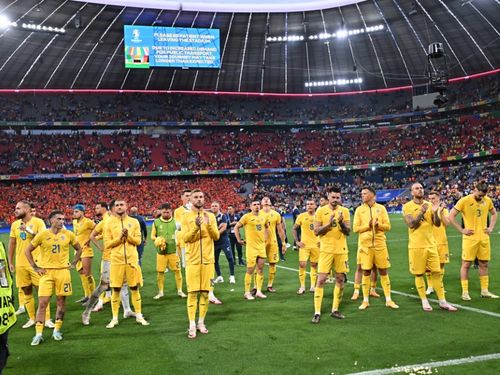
[[163, 236]]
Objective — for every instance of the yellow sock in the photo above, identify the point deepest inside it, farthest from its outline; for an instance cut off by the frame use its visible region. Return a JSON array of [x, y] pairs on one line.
[[302, 277], [85, 285], [420, 285], [20, 296], [438, 285], [365, 286], [272, 274], [465, 286], [136, 300], [248, 282], [337, 297], [255, 278], [29, 304], [429, 279], [178, 279], [484, 281], [386, 286], [441, 277], [259, 280], [318, 299], [203, 305], [115, 303], [47, 312], [58, 325], [373, 284], [90, 284], [39, 328], [160, 280], [314, 276], [356, 286], [192, 306]]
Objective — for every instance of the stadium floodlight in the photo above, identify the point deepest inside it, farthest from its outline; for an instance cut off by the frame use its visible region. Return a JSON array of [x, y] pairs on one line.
[[337, 82], [47, 29], [5, 22], [342, 33]]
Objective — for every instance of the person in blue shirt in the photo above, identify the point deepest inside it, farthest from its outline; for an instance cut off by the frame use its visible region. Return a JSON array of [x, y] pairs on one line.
[[233, 220], [134, 212], [222, 244]]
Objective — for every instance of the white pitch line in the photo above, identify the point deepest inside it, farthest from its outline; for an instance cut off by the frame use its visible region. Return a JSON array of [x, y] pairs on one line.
[[450, 362], [473, 309]]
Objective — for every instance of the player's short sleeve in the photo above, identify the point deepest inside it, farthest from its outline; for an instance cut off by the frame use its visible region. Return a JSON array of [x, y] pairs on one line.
[[346, 214], [243, 220], [317, 216], [298, 221], [37, 240], [405, 210], [72, 238], [12, 231], [490, 204], [459, 206]]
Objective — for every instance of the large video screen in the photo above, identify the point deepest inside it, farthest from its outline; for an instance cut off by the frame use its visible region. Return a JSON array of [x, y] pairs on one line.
[[171, 47]]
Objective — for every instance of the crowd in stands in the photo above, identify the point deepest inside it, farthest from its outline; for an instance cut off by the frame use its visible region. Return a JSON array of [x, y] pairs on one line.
[[223, 149], [178, 107], [146, 194], [452, 180]]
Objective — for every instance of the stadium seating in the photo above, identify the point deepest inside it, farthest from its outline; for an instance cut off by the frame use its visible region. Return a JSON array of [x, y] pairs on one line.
[[223, 149]]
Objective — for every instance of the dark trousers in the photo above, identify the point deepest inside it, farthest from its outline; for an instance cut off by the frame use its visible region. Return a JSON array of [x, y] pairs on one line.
[[140, 251], [4, 350], [226, 248], [280, 245], [235, 244]]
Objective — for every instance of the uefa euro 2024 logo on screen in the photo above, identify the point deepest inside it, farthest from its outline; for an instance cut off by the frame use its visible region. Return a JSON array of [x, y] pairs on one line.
[[136, 35]]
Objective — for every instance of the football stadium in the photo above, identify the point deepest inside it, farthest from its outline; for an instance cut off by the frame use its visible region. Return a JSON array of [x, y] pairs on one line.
[[262, 187]]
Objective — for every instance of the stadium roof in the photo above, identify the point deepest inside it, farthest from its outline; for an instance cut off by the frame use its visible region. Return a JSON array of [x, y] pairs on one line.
[[255, 6], [91, 56]]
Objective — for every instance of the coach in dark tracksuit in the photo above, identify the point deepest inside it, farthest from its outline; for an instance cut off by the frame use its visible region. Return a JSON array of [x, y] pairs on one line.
[[222, 244], [233, 219], [144, 231]]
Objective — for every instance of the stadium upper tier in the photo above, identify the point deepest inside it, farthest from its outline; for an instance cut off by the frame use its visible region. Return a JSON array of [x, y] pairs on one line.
[[365, 45], [41, 152], [221, 108]]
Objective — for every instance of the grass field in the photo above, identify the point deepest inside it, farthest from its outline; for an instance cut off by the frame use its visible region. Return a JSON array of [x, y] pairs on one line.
[[275, 336]]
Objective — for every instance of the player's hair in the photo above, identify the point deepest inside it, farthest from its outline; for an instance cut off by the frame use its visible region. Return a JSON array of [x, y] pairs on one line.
[[482, 187], [333, 189], [230, 206], [434, 192], [166, 206], [103, 204], [187, 191], [54, 213], [196, 191], [311, 200], [112, 203], [369, 188], [216, 202], [25, 202]]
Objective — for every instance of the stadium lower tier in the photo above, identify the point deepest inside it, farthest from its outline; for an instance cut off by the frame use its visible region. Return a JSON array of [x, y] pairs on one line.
[[42, 152], [452, 179]]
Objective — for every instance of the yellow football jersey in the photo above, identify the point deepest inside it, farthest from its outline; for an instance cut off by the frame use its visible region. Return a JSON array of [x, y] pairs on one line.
[[23, 238], [82, 230], [254, 231], [440, 232], [54, 248], [273, 219], [122, 252], [333, 241], [199, 250], [306, 223], [475, 215], [423, 235], [368, 237]]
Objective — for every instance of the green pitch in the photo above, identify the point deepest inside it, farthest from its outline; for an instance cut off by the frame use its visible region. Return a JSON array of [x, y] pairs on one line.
[[275, 336]]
